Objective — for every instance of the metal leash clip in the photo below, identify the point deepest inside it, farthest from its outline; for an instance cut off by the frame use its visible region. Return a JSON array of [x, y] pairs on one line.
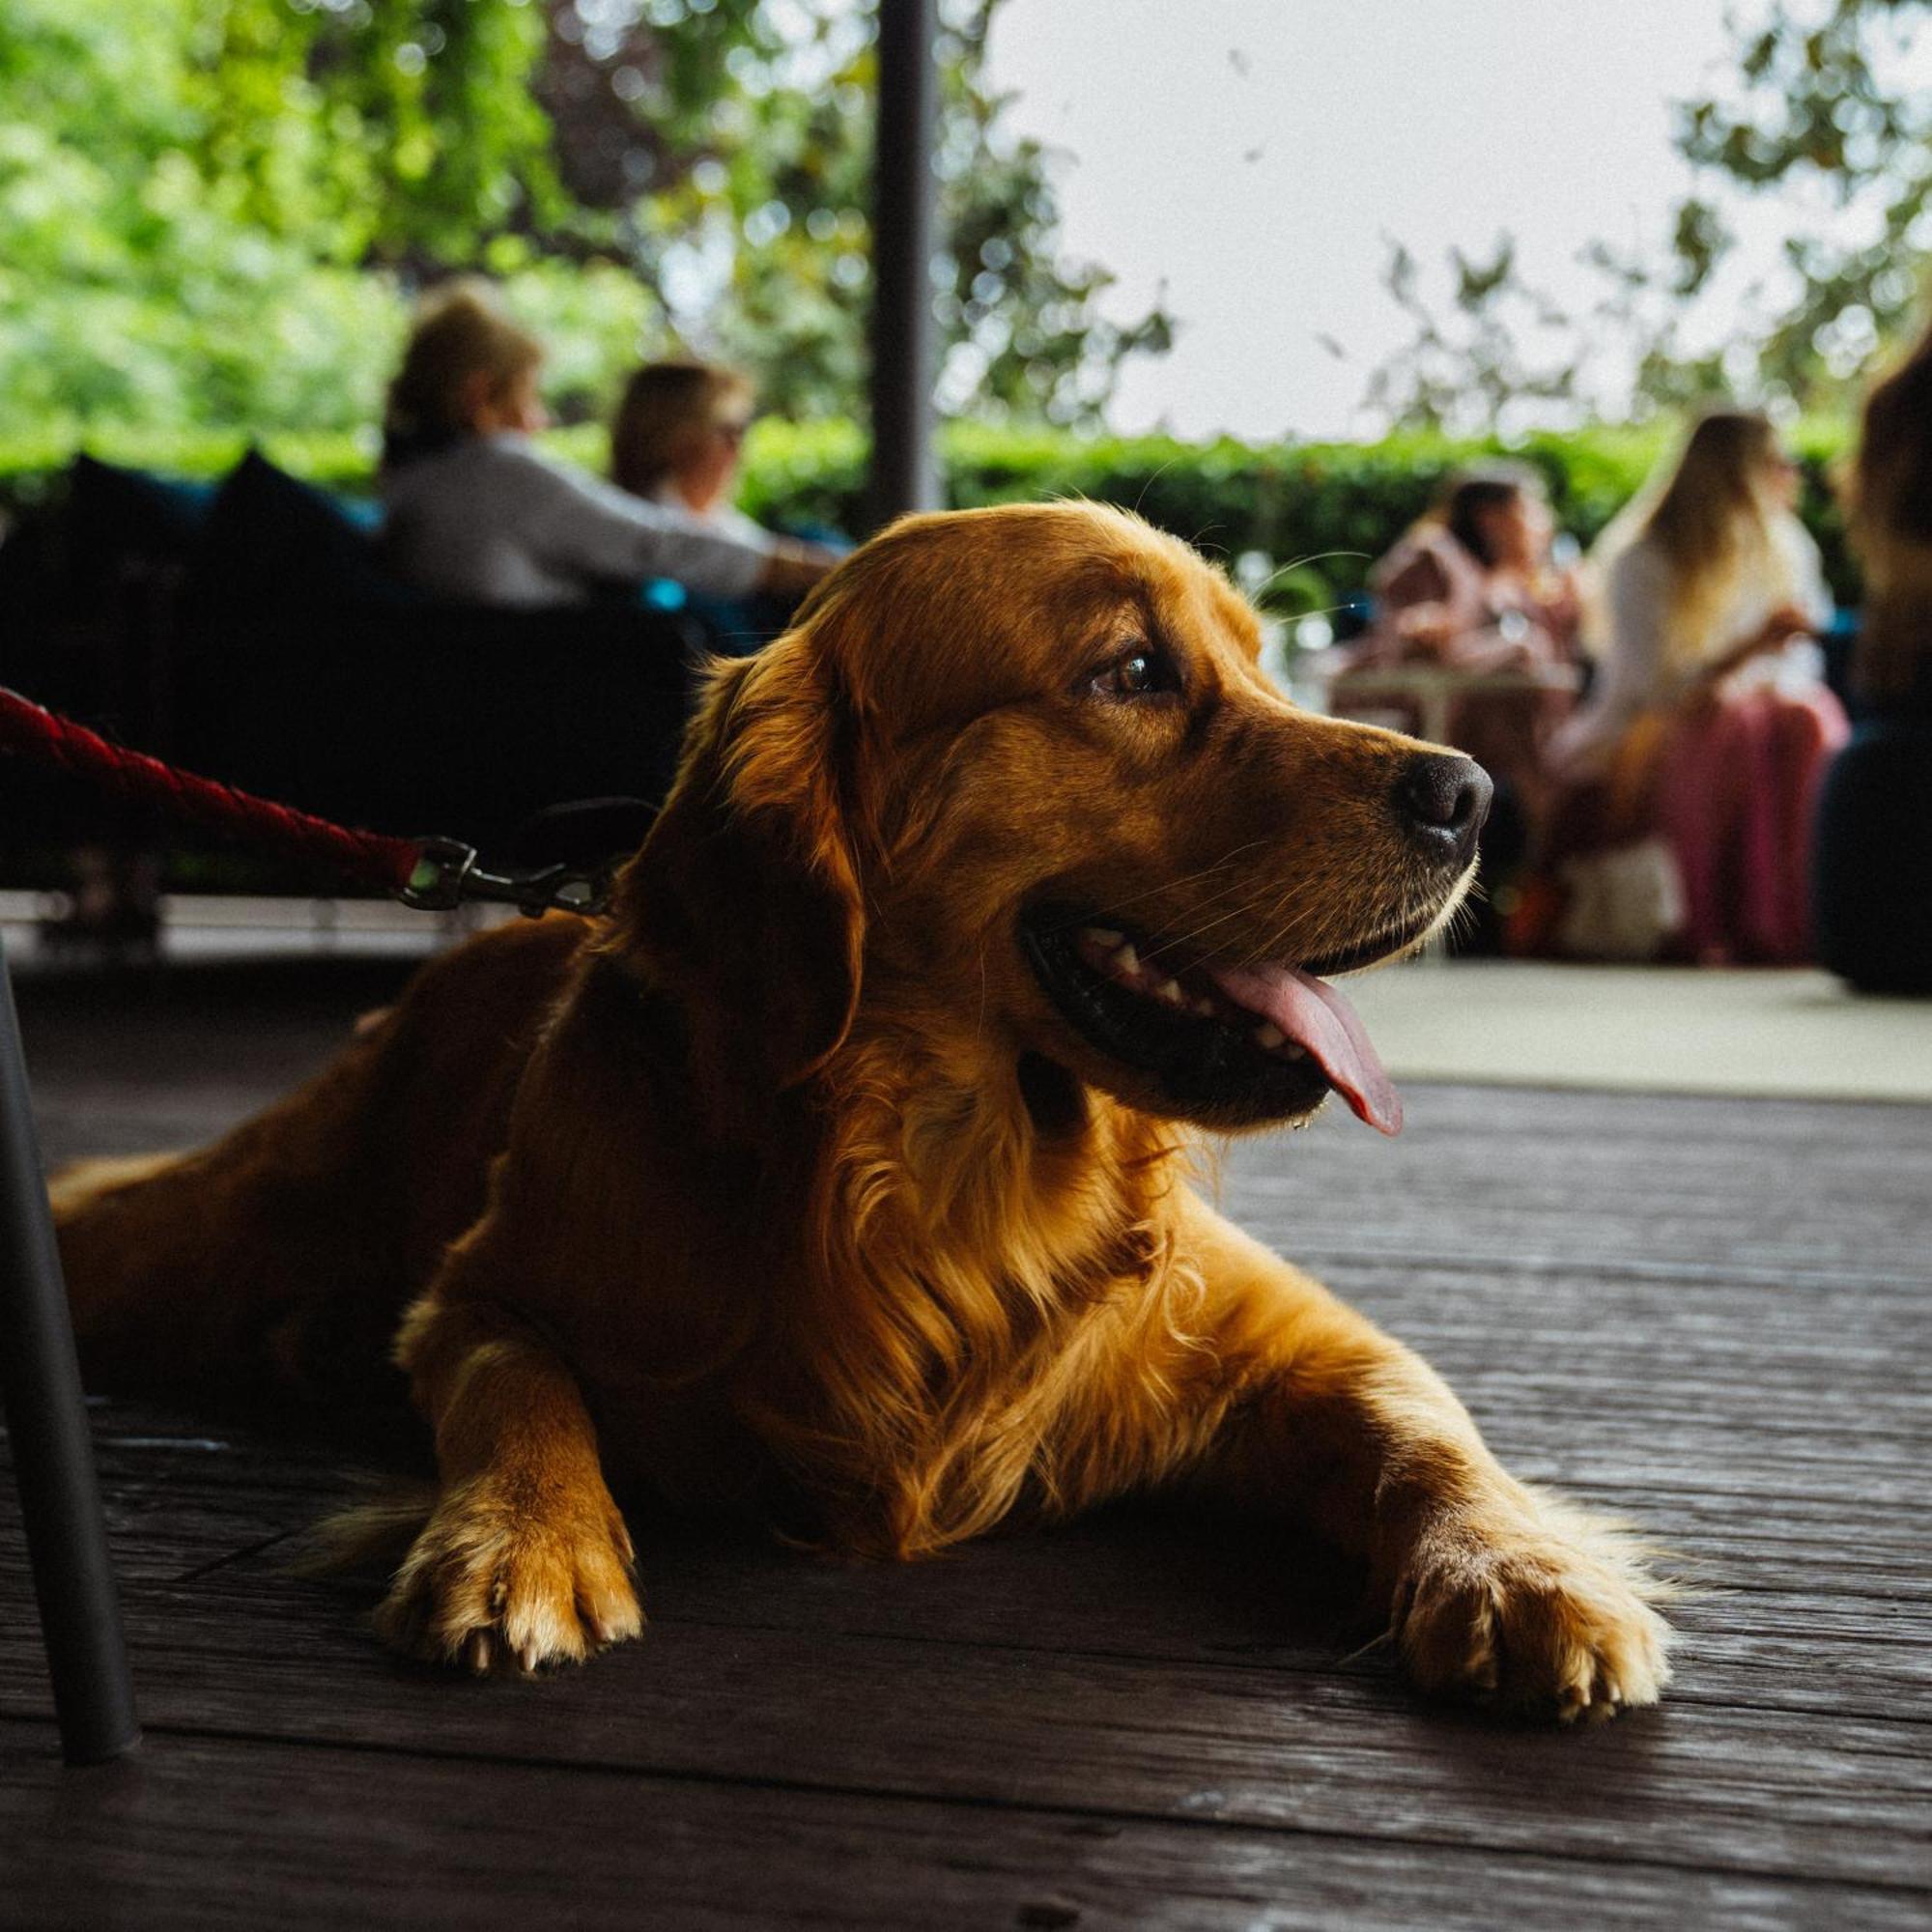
[[448, 874]]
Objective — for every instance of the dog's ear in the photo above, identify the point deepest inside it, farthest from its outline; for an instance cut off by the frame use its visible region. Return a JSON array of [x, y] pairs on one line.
[[744, 901]]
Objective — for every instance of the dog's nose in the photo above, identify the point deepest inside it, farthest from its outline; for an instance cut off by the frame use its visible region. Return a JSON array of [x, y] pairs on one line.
[[1443, 800]]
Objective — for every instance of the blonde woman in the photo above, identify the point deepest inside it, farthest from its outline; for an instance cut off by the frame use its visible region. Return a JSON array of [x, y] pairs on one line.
[[1708, 729], [477, 513]]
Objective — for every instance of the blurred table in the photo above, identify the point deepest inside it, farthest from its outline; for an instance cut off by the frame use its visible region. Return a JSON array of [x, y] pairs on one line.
[[1435, 690]]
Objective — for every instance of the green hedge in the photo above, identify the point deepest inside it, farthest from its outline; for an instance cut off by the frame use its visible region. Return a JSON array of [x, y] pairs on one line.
[[1310, 517], [1313, 517]]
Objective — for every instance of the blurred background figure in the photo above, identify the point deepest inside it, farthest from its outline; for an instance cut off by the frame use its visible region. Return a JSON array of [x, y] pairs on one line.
[[1891, 528], [678, 433], [1693, 768], [476, 512], [1874, 864], [676, 442], [1473, 642], [1472, 584], [468, 371]]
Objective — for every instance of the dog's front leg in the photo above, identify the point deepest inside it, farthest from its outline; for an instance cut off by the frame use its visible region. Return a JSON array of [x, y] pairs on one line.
[[1490, 1588], [524, 1560]]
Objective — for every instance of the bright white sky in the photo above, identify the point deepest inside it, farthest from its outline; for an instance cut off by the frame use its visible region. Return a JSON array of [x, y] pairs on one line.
[[1252, 155]]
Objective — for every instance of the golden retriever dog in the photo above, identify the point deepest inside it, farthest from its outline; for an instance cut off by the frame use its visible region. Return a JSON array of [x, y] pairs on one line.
[[842, 1168]]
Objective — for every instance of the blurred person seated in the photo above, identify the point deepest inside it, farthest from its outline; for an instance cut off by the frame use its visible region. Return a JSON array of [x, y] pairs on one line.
[[676, 442], [476, 513], [679, 431], [1472, 600], [1873, 878], [1471, 585], [1691, 773], [1890, 523]]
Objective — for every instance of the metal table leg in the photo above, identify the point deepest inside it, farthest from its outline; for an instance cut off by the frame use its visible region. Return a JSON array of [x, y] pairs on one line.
[[53, 1453]]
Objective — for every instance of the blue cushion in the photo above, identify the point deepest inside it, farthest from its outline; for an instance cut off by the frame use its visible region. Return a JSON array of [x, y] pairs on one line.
[[365, 512], [118, 510]]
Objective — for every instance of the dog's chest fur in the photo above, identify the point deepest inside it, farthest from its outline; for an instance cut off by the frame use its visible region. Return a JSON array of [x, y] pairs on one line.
[[900, 1308]]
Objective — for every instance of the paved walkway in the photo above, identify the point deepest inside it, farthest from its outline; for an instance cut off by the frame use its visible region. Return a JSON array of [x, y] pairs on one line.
[[1648, 1029]]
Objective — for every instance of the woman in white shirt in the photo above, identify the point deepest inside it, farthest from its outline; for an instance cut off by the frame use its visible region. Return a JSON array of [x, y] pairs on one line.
[[1708, 729], [475, 512]]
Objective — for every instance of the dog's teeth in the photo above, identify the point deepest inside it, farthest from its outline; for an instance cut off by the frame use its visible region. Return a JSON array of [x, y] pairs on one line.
[[1271, 1036], [1204, 1007], [1170, 991], [1104, 938], [1126, 958]]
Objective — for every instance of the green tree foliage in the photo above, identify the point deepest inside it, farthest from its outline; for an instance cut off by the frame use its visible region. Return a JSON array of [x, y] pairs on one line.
[[1496, 355], [206, 217], [212, 212], [1823, 112], [374, 133], [1819, 110]]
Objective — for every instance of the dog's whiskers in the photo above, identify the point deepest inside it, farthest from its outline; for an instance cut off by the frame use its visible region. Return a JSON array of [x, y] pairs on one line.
[[1162, 938], [1313, 557], [1194, 935], [1114, 907], [1376, 1643]]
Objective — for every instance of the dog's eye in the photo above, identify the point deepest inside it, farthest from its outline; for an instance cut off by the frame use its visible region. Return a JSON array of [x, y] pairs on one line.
[[1143, 671]]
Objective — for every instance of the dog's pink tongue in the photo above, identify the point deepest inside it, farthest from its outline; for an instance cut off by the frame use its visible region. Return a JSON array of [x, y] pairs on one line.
[[1313, 1014]]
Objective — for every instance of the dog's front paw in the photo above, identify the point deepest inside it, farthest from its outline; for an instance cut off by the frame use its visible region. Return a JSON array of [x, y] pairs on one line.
[[1544, 1611], [494, 1586]]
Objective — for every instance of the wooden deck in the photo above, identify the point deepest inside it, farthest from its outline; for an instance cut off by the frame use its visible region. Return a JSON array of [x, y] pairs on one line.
[[1716, 1316]]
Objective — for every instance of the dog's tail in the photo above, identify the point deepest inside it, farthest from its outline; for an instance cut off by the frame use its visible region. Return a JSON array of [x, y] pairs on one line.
[[87, 1181], [279, 1258], [368, 1536]]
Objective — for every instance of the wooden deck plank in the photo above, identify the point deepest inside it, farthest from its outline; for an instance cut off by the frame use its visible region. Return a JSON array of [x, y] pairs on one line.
[[1136, 1656], [1134, 1585], [1726, 1539], [1751, 1792], [1788, 1219], [214, 1833]]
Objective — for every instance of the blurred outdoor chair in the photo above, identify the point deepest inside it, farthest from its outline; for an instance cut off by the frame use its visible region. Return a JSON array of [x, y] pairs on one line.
[[1430, 692], [249, 633]]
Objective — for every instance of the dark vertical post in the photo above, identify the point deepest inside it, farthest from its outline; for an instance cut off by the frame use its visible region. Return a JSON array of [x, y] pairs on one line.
[[53, 1454], [904, 341]]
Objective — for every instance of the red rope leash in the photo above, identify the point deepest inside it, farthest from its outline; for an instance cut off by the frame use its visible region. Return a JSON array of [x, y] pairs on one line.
[[38, 733], [430, 874]]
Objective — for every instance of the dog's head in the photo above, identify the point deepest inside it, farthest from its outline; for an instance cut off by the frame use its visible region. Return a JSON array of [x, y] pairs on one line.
[[1016, 778]]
